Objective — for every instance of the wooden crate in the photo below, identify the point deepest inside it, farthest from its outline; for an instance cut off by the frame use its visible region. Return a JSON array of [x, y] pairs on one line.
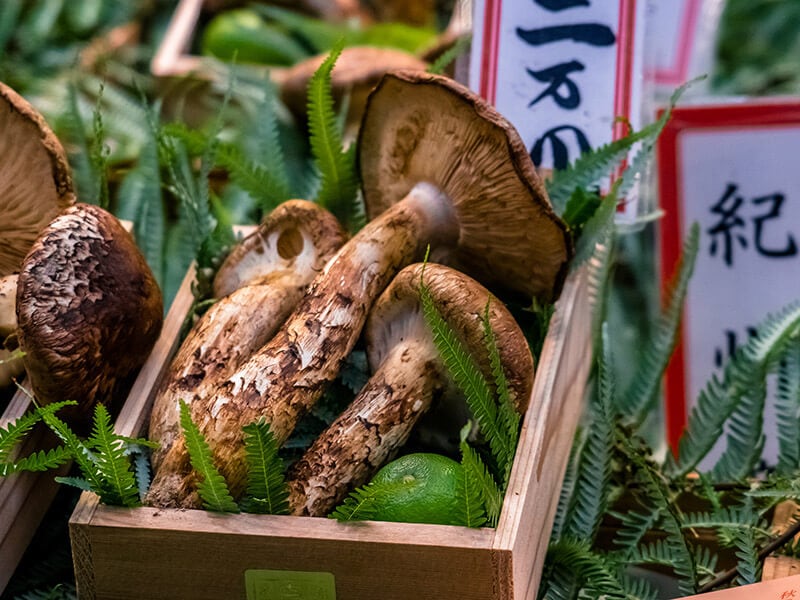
[[156, 553]]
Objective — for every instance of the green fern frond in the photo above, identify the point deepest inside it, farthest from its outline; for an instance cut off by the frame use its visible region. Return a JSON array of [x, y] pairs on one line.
[[633, 527], [140, 199], [718, 400], [580, 207], [567, 490], [99, 152], [261, 182], [590, 495], [574, 567], [787, 410], [637, 401], [42, 460], [364, 503], [268, 147], [507, 416], [470, 381], [732, 518], [336, 166], [745, 439], [446, 58], [748, 565], [480, 483], [591, 168], [76, 482], [111, 461], [81, 454], [212, 487], [597, 230], [13, 433], [141, 471], [267, 491]]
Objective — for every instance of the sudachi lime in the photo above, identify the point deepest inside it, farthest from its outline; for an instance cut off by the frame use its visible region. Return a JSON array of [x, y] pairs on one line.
[[429, 491]]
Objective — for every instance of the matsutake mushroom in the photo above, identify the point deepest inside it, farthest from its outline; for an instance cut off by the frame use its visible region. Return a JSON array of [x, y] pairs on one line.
[[440, 169], [35, 185], [88, 309], [408, 377], [259, 283]]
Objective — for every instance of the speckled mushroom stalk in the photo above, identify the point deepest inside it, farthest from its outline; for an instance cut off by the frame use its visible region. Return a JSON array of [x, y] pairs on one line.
[[409, 377], [259, 284], [88, 309], [448, 172]]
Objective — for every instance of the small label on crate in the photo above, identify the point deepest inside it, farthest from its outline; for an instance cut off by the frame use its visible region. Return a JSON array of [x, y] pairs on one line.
[[289, 585]]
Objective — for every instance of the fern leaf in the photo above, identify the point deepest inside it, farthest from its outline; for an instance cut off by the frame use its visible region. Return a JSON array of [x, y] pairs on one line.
[[98, 153], [261, 182], [732, 518], [633, 527], [594, 468], [507, 416], [212, 487], [111, 461], [717, 401], [748, 565], [745, 437], [642, 392], [591, 168], [787, 409], [446, 58], [77, 482], [364, 503], [469, 379], [267, 491], [478, 479], [567, 490], [13, 433], [339, 183], [141, 470], [597, 230], [140, 199], [43, 460], [267, 139]]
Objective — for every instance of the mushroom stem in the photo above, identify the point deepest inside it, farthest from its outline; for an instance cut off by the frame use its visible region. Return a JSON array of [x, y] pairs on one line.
[[369, 432], [410, 378], [284, 379], [262, 281]]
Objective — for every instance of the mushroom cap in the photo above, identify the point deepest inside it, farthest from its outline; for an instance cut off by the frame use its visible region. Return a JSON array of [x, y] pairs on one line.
[[356, 71], [88, 308], [397, 315], [35, 181], [296, 235], [419, 127]]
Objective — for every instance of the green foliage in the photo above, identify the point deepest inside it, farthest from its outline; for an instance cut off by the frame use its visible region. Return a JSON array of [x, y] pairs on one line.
[[364, 503], [267, 491], [444, 60], [787, 409], [482, 498], [212, 488], [336, 165]]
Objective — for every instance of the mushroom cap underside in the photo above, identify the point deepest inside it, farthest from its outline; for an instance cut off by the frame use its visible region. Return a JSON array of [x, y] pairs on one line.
[[297, 235], [462, 302], [35, 180], [420, 127], [88, 307]]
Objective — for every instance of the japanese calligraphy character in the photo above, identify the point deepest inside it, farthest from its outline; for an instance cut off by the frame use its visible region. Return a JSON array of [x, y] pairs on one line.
[[787, 594], [775, 200], [731, 345], [558, 78], [556, 5], [559, 148], [593, 34], [728, 222]]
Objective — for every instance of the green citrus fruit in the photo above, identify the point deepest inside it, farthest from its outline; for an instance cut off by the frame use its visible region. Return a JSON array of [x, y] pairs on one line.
[[428, 492]]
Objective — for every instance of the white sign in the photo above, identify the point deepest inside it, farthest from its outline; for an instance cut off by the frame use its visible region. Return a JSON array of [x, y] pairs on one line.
[[733, 170], [567, 73]]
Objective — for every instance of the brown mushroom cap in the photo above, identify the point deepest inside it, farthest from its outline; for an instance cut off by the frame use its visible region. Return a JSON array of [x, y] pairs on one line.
[[409, 379], [397, 316], [88, 308], [420, 127], [298, 235], [356, 72], [35, 181]]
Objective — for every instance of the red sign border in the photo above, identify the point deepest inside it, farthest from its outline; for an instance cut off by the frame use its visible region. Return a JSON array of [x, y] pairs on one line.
[[751, 115], [678, 72]]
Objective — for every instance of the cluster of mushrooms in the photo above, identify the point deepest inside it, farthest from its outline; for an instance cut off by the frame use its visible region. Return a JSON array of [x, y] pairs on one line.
[[76, 294], [442, 172]]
